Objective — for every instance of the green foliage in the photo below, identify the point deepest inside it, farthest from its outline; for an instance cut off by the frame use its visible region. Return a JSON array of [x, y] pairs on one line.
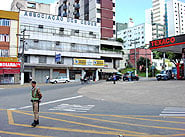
[[113, 50], [142, 62], [119, 40], [123, 71]]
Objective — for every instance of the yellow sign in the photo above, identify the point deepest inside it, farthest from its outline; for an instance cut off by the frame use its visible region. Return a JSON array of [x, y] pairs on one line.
[[88, 62], [8, 59]]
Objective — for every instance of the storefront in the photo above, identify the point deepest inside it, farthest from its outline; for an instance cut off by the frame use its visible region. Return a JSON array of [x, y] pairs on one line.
[[174, 44], [9, 70]]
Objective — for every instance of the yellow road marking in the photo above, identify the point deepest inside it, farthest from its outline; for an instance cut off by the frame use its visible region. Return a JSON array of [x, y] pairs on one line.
[[84, 124], [177, 135], [21, 134], [125, 123], [10, 117]]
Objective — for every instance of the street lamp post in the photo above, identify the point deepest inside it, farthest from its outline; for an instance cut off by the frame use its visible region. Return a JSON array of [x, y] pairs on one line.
[[22, 58], [146, 64]]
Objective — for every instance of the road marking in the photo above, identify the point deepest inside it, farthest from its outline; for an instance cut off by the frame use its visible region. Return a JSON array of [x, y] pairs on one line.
[[21, 134], [1, 88], [173, 111], [73, 108], [51, 102], [83, 124], [123, 123], [74, 130]]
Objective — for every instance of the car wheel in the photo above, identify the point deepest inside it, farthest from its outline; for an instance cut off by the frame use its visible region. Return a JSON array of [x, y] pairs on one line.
[[55, 82]]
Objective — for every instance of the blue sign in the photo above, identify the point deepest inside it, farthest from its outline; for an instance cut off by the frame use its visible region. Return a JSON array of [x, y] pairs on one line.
[[58, 58]]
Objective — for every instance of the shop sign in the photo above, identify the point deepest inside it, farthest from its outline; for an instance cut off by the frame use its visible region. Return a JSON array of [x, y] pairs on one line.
[[166, 42], [11, 71], [8, 59], [88, 62], [1, 71], [58, 58], [10, 64]]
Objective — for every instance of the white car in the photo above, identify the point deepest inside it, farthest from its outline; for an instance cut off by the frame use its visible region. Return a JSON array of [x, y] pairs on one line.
[[59, 79]]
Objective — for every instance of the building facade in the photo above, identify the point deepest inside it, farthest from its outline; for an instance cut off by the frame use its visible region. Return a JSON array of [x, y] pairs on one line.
[[9, 65], [175, 17], [103, 12], [18, 5], [140, 32]]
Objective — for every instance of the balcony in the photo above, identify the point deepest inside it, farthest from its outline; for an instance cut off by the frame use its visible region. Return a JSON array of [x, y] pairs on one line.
[[65, 7], [111, 53], [77, 6]]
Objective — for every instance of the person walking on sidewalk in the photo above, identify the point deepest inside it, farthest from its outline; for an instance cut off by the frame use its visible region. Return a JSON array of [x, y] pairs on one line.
[[36, 96], [114, 79]]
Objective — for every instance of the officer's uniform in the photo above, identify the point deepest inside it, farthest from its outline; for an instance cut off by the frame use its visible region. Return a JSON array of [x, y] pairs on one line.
[[35, 92]]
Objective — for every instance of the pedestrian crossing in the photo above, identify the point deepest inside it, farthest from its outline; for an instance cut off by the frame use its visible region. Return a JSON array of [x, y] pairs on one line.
[[173, 111], [72, 108]]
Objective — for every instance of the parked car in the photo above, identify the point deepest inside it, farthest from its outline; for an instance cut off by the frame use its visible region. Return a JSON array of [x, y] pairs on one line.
[[118, 77], [59, 79], [164, 75], [131, 76]]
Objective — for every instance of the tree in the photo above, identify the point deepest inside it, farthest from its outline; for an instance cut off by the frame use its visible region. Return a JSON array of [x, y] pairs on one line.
[[119, 40], [141, 64], [173, 57]]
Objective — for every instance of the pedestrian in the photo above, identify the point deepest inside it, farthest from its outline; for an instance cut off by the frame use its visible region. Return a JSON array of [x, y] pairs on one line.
[[36, 97], [114, 79], [47, 79]]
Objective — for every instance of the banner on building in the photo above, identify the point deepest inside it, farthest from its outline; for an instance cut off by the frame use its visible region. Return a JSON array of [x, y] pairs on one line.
[[8, 59], [10, 64], [88, 62]]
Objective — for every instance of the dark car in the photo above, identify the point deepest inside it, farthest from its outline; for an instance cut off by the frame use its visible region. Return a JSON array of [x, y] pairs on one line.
[[131, 76], [118, 77]]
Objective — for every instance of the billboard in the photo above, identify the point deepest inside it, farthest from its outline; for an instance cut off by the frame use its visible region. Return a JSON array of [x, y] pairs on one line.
[[88, 62], [10, 65]]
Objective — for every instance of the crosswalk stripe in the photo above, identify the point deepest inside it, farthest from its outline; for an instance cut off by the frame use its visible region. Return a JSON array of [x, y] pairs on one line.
[[173, 111]]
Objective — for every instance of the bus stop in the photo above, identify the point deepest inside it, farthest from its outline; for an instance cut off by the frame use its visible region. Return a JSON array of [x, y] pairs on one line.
[[174, 44]]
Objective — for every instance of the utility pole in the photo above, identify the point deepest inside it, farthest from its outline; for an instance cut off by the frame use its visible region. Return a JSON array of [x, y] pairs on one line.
[[135, 57], [146, 63], [22, 58]]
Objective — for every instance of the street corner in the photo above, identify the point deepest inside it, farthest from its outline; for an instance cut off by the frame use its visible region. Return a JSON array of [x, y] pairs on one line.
[[96, 125]]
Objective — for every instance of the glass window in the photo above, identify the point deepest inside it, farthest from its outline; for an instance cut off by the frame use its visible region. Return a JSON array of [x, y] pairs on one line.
[[4, 22], [42, 59]]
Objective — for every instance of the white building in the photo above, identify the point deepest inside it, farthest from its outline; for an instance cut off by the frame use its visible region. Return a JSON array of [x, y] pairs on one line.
[[158, 11], [175, 17], [142, 32], [75, 41]]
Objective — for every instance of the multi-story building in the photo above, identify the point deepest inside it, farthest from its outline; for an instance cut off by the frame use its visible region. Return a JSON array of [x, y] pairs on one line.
[[140, 32], [156, 17], [175, 17], [28, 5], [76, 42], [9, 65], [103, 12]]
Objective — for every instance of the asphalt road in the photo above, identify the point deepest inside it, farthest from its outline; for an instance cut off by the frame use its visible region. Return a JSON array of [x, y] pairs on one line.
[[66, 112]]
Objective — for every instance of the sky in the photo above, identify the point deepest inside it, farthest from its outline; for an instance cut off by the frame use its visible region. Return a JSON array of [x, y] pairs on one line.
[[125, 9]]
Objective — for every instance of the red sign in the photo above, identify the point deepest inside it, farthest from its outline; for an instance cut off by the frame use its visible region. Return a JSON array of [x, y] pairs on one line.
[[10, 64], [11, 71], [163, 42], [1, 71]]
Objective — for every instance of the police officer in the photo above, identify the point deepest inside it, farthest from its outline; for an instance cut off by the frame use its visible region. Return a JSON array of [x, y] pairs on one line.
[[36, 96]]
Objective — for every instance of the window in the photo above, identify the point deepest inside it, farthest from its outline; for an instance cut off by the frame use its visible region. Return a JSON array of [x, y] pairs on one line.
[[114, 32], [113, 4], [31, 5], [42, 59], [114, 23], [98, 20], [98, 1], [98, 10], [4, 53], [41, 26], [26, 59], [4, 22], [114, 14], [4, 37]]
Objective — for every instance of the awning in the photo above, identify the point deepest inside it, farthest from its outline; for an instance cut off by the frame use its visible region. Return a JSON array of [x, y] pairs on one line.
[[108, 70]]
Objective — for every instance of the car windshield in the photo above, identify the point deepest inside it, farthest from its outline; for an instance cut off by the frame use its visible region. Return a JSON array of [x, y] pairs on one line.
[[163, 72]]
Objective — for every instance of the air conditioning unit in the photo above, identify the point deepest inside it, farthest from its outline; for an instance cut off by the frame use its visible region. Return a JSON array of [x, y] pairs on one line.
[[57, 42], [36, 41]]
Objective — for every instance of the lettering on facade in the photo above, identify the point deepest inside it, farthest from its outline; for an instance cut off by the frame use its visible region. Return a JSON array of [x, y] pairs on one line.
[[163, 42], [57, 18]]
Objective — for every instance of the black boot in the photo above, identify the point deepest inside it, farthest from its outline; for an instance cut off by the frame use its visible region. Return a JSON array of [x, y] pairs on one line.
[[37, 122], [34, 123]]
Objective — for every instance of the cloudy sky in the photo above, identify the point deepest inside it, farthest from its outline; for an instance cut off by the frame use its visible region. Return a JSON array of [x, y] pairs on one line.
[[5, 4]]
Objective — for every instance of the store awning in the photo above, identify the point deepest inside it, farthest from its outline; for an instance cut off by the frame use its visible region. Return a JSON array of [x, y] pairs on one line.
[[108, 70]]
